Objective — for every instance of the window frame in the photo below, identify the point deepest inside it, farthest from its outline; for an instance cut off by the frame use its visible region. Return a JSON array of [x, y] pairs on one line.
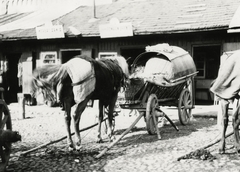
[[107, 54], [43, 54]]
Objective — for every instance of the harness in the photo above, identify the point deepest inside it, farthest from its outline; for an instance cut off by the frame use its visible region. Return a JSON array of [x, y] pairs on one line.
[[82, 81]]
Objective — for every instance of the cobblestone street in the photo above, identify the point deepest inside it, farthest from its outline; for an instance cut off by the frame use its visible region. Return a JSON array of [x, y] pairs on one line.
[[137, 151]]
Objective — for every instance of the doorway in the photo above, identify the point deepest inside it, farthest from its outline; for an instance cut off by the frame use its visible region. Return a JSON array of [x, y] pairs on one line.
[[207, 60], [131, 53], [68, 54], [12, 79]]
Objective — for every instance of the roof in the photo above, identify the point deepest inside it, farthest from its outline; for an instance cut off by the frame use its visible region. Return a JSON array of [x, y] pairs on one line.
[[234, 25], [21, 6], [146, 16], [32, 19]]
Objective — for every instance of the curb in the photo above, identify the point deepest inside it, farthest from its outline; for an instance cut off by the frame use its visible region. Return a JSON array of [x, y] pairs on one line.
[[204, 115]]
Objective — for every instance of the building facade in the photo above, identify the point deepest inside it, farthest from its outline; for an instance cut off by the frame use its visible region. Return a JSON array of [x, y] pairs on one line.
[[120, 28]]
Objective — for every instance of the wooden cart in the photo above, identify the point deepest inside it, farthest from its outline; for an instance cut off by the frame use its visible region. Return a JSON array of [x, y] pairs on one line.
[[7, 136], [167, 84]]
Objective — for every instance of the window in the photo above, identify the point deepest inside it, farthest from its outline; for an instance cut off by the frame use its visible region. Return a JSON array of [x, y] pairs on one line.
[[107, 54], [200, 64], [49, 57], [207, 60]]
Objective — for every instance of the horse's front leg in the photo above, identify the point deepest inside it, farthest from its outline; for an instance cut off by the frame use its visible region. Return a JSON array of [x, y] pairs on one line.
[[100, 119], [80, 107], [224, 109], [67, 117], [236, 123]]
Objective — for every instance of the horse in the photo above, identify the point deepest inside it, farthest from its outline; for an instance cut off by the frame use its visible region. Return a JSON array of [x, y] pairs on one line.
[[226, 87], [78, 81]]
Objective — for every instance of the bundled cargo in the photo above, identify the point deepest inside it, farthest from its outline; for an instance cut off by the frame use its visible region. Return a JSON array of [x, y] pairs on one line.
[[163, 65]]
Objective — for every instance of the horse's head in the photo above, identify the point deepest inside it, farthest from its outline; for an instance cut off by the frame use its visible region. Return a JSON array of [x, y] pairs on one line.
[[42, 83]]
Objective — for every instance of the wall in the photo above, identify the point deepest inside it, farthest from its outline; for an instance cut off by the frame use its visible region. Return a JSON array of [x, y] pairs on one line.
[[186, 41]]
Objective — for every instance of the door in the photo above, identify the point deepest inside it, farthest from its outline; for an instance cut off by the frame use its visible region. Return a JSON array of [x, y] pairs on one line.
[[68, 54], [12, 79], [131, 53]]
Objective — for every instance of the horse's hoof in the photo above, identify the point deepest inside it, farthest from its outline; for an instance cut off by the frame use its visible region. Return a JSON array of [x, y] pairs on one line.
[[70, 149], [237, 150], [111, 140], [99, 141], [78, 148], [221, 151]]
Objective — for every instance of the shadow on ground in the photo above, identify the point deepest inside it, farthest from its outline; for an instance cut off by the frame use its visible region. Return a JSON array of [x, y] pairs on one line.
[[167, 131]]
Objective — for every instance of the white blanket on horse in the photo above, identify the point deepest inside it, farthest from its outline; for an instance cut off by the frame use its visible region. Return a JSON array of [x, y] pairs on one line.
[[81, 70], [227, 84]]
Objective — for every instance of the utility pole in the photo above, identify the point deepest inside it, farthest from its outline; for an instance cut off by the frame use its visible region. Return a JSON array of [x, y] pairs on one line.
[[94, 9]]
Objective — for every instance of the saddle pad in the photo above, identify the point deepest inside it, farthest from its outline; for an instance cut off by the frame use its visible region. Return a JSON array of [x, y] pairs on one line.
[[78, 70]]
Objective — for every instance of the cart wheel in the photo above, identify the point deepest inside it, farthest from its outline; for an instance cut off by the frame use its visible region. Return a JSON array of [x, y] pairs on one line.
[[5, 124], [152, 104], [185, 107]]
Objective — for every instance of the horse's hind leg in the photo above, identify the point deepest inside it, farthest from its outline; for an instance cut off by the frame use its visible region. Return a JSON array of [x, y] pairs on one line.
[[224, 107], [236, 123]]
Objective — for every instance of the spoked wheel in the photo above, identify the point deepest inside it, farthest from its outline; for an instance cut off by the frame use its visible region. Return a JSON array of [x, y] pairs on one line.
[[151, 118], [185, 105], [5, 124]]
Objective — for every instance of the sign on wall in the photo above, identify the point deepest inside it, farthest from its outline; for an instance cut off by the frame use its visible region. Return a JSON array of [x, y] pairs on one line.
[[115, 29], [49, 32]]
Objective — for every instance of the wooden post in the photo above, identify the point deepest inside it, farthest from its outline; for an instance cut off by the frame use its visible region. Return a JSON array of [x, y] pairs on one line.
[[219, 116], [21, 104]]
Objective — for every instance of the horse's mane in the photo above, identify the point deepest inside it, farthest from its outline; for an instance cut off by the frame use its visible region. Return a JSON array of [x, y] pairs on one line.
[[46, 70]]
